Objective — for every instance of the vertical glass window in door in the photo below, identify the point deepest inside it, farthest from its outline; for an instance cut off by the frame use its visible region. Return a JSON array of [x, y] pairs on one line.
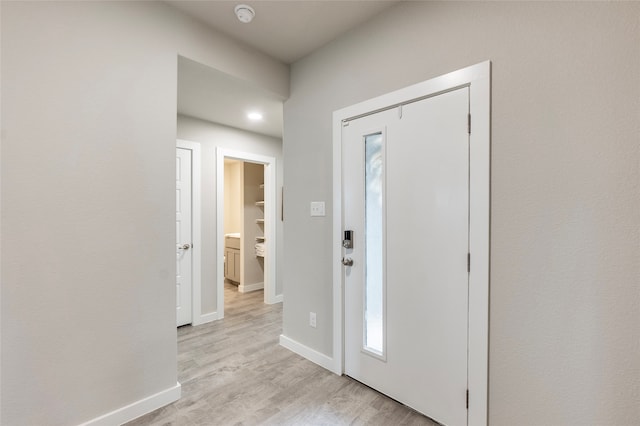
[[374, 259]]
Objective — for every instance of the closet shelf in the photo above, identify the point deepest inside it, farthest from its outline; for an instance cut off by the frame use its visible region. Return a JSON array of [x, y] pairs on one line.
[[259, 203], [262, 186], [259, 220]]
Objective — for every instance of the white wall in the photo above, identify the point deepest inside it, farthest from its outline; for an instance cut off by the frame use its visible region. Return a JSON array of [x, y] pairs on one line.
[[565, 247], [211, 136], [88, 197]]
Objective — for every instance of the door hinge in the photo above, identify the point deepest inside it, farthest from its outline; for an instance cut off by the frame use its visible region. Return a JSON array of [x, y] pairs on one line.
[[467, 399], [468, 262], [469, 123]]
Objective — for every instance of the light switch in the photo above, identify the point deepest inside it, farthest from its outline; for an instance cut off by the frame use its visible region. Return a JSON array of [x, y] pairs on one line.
[[317, 208]]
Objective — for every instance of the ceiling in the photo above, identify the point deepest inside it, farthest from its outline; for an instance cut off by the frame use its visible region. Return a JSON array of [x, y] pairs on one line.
[[211, 95], [286, 30]]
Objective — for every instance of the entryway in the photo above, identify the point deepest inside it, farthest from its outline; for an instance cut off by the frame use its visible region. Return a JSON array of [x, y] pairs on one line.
[[244, 239], [257, 228], [413, 272]]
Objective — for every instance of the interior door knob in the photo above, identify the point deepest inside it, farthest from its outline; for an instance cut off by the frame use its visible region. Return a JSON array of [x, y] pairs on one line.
[[347, 261], [185, 247]]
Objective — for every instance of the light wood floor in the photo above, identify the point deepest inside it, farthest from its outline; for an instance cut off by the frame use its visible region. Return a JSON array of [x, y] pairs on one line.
[[234, 372]]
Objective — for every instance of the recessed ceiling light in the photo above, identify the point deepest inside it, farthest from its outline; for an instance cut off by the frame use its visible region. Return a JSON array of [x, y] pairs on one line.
[[255, 116], [245, 13]]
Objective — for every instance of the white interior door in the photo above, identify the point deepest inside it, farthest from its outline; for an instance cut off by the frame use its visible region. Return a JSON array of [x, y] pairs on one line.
[[183, 236], [406, 197]]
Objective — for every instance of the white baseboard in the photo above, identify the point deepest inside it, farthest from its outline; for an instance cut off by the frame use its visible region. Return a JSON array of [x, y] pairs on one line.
[[276, 299], [138, 408], [205, 318], [312, 355], [246, 288]]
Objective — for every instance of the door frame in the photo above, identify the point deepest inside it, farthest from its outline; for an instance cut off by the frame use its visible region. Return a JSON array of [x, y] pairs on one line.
[[270, 215], [196, 246], [478, 79]]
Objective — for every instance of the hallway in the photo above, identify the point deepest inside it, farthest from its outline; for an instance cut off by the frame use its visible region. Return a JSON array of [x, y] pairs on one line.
[[234, 371]]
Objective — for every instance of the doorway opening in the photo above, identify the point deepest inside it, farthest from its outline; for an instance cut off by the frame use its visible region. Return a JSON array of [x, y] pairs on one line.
[[244, 251], [213, 109], [245, 225]]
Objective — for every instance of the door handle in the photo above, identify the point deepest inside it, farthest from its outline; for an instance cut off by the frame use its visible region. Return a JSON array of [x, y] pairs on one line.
[[184, 247], [347, 261]]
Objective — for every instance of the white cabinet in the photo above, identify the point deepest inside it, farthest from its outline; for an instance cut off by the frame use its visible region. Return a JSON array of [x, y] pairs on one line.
[[232, 258], [232, 264]]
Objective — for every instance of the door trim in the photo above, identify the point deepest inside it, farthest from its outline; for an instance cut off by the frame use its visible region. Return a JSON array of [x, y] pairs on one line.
[[270, 215], [196, 255], [478, 79]]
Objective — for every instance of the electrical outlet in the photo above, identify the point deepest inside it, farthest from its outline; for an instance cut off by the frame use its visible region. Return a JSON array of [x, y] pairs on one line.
[[312, 319]]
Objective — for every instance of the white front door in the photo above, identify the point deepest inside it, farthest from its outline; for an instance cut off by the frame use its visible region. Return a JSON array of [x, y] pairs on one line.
[[406, 199], [183, 236]]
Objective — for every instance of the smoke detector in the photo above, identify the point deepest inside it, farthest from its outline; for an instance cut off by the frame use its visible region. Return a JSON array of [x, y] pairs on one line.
[[245, 13]]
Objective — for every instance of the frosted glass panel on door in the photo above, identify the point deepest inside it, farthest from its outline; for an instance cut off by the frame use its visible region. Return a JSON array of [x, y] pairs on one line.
[[374, 243]]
